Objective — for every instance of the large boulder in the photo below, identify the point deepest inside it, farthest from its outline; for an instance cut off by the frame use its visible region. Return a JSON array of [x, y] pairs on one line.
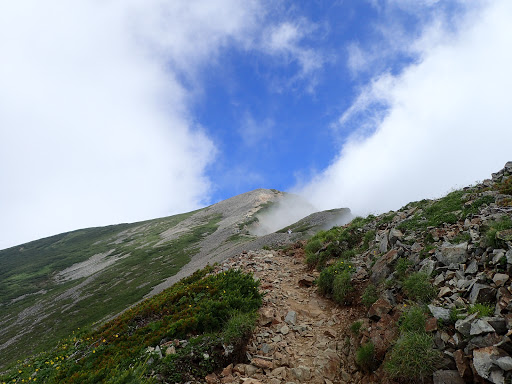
[[450, 254], [382, 267]]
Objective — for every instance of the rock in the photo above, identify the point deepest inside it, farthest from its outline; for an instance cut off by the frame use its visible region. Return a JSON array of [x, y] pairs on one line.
[[394, 235], [279, 372], [431, 324], [378, 309], [500, 279], [472, 268], [480, 326], [265, 348], [301, 373], [463, 367], [261, 363], [508, 255], [439, 312], [228, 371], [291, 318], [444, 291], [230, 379], [447, 377], [382, 267], [505, 235], [383, 246], [505, 363], [427, 266], [250, 369], [211, 378], [328, 363], [464, 325], [499, 324], [284, 329], [450, 254], [482, 293], [485, 363]]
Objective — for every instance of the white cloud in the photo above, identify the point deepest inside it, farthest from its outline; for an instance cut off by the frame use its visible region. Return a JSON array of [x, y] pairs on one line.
[[254, 132], [447, 120], [94, 123]]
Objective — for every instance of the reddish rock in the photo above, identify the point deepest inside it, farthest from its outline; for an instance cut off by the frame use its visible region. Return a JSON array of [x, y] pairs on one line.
[[261, 363], [306, 281], [383, 334], [462, 362], [211, 378], [228, 371], [431, 324], [378, 309]]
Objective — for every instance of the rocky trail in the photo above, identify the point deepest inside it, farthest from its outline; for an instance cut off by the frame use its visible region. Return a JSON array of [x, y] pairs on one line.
[[299, 337]]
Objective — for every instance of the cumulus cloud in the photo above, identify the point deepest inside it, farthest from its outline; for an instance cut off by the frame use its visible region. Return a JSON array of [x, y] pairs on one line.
[[94, 121], [442, 122]]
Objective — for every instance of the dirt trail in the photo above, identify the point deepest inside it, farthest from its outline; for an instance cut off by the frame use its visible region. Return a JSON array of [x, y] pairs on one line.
[[301, 335]]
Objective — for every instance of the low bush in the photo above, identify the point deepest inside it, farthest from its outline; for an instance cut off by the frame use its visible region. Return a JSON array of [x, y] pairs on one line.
[[369, 296], [418, 287], [355, 327], [413, 319], [494, 228], [365, 357], [413, 357], [402, 266], [327, 278], [342, 286]]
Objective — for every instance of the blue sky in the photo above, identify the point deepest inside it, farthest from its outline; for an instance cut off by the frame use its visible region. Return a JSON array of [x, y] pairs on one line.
[[120, 111]]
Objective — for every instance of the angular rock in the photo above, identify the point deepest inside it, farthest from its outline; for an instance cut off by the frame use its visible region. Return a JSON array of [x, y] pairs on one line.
[[394, 235], [211, 378], [306, 281], [463, 326], [284, 329], [450, 254], [472, 267], [481, 293], [480, 326], [427, 266], [291, 318], [505, 363], [301, 374], [382, 267], [439, 312], [483, 360], [500, 279], [447, 377], [499, 324], [378, 309], [261, 363], [328, 363], [463, 367], [383, 246]]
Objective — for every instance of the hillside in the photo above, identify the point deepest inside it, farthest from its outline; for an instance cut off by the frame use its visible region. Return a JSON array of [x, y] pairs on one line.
[[422, 294], [52, 286]]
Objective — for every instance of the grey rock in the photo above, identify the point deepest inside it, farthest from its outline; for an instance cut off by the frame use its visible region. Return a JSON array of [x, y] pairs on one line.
[[505, 363], [383, 246], [472, 267], [450, 254], [508, 255], [481, 293], [439, 312], [447, 377], [285, 329], [480, 326], [291, 318], [463, 326], [483, 361], [499, 324], [427, 266], [500, 279], [394, 235]]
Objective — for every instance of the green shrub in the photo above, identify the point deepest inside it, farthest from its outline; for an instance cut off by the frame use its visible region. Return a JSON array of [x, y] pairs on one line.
[[369, 296], [506, 186], [413, 320], [365, 357], [342, 286], [413, 357], [494, 228], [355, 327], [483, 310], [239, 327], [325, 281], [402, 265], [418, 287]]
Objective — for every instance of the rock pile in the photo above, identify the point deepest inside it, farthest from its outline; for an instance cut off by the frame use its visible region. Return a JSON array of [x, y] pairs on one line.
[[469, 261]]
